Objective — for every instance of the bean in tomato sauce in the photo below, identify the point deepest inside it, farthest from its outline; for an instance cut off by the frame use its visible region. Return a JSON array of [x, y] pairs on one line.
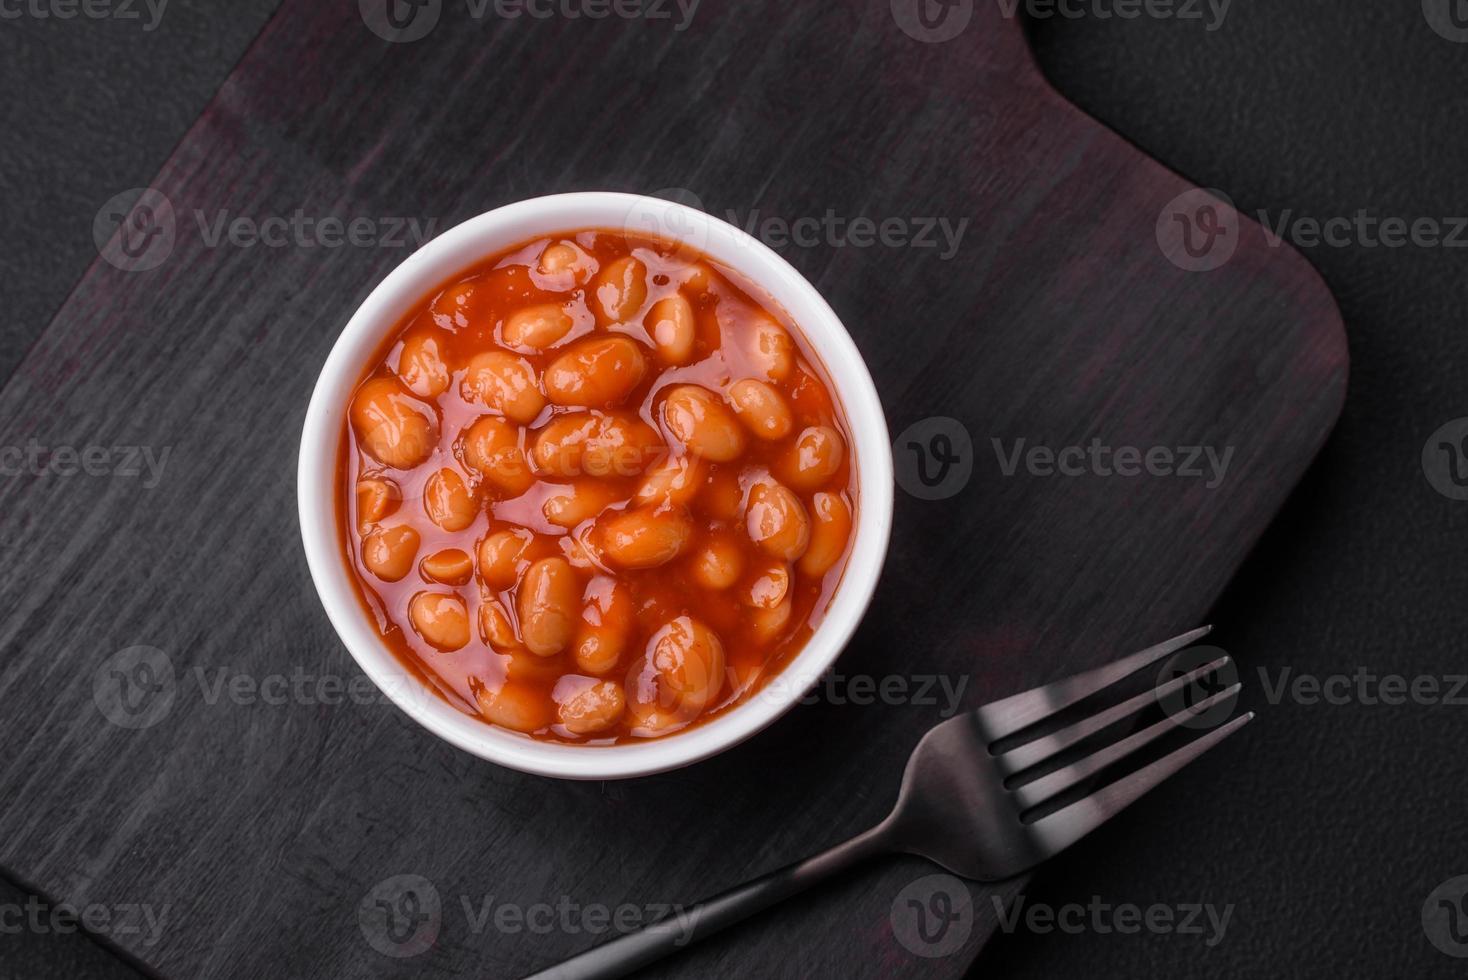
[[593, 490]]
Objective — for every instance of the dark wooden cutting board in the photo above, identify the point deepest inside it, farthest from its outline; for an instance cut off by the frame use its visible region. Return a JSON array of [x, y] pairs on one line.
[[257, 828]]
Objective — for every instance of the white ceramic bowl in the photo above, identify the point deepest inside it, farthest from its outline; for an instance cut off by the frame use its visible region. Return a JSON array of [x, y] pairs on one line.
[[454, 252]]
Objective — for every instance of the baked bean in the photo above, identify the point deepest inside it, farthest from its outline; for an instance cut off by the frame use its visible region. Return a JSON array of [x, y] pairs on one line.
[[388, 552], [518, 707], [491, 447], [558, 257], [564, 258], [698, 419], [580, 443], [500, 555], [537, 327], [495, 628], [421, 366], [377, 498], [761, 408], [722, 498], [503, 382], [718, 562], [830, 527], [573, 503], [451, 308], [440, 619], [623, 445], [594, 708], [672, 328], [597, 653], [675, 480], [767, 624], [449, 566], [606, 623], [679, 675], [777, 521], [619, 290], [769, 587], [770, 348], [448, 501], [548, 599], [392, 427], [698, 278], [808, 398], [595, 373], [814, 457], [558, 446], [646, 537]]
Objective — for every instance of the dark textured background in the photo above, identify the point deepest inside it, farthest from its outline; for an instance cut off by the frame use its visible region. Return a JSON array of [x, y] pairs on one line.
[[1348, 819]]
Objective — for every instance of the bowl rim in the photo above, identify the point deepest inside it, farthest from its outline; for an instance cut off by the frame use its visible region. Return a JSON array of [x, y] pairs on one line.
[[454, 251]]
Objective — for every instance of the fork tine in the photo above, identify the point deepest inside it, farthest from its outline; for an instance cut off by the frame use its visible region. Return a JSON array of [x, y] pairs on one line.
[[1012, 714], [1055, 783], [1033, 753], [1057, 831]]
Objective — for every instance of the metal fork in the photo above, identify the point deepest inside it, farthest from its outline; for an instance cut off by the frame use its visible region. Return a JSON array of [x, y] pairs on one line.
[[956, 806]]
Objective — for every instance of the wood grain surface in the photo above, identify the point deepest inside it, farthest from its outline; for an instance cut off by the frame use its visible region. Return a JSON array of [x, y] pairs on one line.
[[263, 805]]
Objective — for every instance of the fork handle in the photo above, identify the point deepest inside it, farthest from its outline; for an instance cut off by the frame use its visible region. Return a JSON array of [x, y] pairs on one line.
[[670, 934]]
